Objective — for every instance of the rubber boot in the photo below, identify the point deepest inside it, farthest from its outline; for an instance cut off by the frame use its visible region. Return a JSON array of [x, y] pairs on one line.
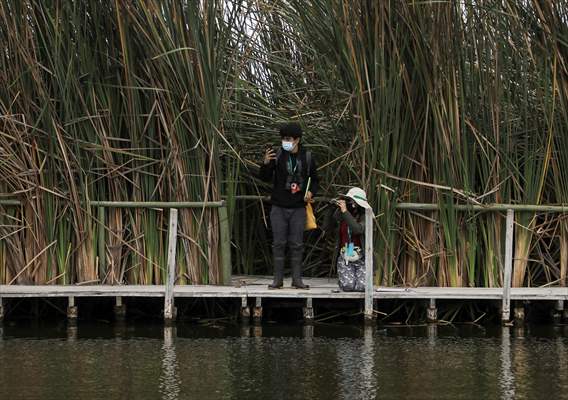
[[296, 261], [278, 281]]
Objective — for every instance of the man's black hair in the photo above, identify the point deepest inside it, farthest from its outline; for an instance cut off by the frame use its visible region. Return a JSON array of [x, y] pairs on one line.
[[291, 129]]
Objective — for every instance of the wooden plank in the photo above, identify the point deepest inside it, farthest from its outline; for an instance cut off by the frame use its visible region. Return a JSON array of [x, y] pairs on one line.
[[556, 293], [156, 204], [170, 280], [261, 290], [13, 291], [506, 306], [225, 238], [484, 207], [441, 293], [369, 288]]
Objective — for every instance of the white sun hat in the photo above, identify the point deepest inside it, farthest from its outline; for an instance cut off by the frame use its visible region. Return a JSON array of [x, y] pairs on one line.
[[359, 196]]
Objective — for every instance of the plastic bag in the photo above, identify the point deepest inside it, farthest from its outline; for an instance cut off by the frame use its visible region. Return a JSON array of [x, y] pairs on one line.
[[310, 218]]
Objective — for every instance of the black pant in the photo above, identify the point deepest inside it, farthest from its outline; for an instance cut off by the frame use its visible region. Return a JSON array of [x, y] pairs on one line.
[[288, 230]]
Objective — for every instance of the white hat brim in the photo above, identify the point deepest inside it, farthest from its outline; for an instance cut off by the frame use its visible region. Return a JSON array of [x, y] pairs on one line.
[[360, 202]]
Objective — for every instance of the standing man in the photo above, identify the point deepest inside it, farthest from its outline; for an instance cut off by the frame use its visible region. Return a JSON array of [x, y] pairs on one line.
[[293, 173]]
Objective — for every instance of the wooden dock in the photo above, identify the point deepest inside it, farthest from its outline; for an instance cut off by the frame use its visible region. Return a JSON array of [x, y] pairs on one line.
[[257, 286], [255, 289], [251, 287]]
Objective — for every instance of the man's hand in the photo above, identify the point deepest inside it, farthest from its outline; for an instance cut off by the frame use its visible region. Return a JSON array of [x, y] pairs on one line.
[[342, 205], [269, 155], [308, 197]]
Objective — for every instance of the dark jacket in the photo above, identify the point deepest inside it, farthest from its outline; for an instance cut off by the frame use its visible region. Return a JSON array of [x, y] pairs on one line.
[[336, 217], [277, 172], [333, 220]]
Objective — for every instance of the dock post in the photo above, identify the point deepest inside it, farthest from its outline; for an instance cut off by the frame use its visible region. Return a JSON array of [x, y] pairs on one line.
[[1, 309], [257, 311], [170, 311], [558, 311], [119, 309], [432, 312], [308, 331], [432, 331], [369, 287], [225, 238], [308, 311], [245, 310], [519, 313], [506, 307], [72, 310]]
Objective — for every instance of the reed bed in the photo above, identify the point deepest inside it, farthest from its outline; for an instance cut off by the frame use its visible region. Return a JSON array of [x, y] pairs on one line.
[[446, 102]]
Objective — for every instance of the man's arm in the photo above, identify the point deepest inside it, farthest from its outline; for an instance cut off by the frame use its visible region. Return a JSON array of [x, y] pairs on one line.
[[266, 172]]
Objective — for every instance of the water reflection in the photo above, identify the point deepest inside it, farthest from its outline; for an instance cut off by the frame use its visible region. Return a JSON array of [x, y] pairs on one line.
[[72, 332], [169, 379], [245, 330], [356, 364], [368, 383], [308, 332], [506, 376], [284, 362], [257, 331], [432, 334]]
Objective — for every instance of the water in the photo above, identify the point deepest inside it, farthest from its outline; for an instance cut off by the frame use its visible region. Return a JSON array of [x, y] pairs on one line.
[[282, 362]]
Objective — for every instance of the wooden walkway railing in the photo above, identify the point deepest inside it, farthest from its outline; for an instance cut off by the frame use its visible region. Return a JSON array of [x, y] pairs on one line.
[[370, 293]]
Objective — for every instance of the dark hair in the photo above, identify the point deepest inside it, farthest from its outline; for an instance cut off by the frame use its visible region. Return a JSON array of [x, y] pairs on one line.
[[291, 129]]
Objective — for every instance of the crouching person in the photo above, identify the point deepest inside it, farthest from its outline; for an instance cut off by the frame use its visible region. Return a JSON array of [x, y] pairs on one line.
[[350, 215]]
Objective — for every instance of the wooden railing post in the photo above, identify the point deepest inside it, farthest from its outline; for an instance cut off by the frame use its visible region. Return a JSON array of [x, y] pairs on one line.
[[508, 267], [369, 287], [101, 240], [169, 309], [225, 238]]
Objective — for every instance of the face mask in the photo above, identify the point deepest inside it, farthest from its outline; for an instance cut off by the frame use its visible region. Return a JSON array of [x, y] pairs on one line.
[[288, 146]]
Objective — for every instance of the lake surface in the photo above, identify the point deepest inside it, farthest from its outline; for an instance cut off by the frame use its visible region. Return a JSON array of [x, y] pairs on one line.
[[105, 361]]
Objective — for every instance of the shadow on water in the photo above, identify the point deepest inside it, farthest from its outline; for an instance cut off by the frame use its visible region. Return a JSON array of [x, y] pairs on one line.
[[287, 361]]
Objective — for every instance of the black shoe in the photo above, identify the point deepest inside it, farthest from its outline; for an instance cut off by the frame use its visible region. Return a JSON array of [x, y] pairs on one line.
[[274, 286], [300, 285]]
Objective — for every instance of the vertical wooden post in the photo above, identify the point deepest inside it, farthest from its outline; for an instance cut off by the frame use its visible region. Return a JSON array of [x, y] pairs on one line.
[[432, 312], [169, 309], [369, 287], [72, 310], [257, 311], [557, 312], [245, 310], [1, 309], [119, 309], [101, 240], [225, 238], [506, 307], [309, 311]]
